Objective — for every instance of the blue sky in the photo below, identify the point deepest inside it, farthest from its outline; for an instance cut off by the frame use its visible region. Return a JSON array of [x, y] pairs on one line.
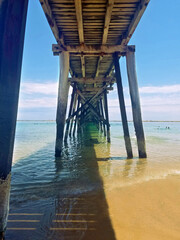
[[157, 40]]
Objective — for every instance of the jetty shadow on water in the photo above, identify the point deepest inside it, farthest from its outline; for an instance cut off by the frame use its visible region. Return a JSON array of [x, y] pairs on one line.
[[61, 198]]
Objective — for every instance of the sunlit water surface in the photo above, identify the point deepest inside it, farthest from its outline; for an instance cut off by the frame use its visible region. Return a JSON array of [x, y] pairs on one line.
[[93, 192]]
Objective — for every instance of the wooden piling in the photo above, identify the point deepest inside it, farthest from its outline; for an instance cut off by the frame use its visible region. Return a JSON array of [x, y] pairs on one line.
[[70, 112], [76, 117], [122, 106], [73, 110], [102, 114], [135, 101], [62, 101], [12, 29], [106, 115]]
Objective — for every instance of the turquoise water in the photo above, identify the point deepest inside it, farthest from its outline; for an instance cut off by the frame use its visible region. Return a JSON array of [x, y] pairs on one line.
[[33, 136], [64, 197]]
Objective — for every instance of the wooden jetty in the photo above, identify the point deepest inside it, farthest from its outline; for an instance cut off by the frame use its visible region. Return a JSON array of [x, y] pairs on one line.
[[91, 36]]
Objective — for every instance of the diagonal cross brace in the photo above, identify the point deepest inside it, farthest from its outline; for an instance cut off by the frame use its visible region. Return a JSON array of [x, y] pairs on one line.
[[91, 107], [88, 102]]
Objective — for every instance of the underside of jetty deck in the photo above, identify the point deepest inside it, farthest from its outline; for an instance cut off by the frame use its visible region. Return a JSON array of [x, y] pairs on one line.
[[90, 38]]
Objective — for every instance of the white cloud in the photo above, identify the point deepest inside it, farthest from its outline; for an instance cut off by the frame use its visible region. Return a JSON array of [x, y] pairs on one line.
[[46, 88], [163, 104], [43, 88], [160, 89], [155, 100], [43, 102], [161, 100], [47, 98]]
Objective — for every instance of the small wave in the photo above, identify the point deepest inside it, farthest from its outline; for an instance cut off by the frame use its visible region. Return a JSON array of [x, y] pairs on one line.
[[163, 175], [143, 179]]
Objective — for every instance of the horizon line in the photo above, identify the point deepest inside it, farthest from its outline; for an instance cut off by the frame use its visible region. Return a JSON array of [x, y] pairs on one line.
[[19, 120]]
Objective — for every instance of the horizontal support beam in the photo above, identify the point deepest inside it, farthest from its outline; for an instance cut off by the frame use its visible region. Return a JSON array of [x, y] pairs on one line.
[[95, 89], [92, 80], [93, 54], [91, 94], [89, 49]]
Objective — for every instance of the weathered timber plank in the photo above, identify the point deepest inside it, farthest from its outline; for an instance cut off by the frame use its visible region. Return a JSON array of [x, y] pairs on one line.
[[109, 8], [90, 49], [91, 80], [78, 6]]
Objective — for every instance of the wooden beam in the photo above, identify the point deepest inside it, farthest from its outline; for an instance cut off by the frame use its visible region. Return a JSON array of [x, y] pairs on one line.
[[76, 117], [134, 22], [106, 29], [102, 113], [70, 112], [89, 49], [52, 23], [135, 102], [95, 89], [78, 7], [98, 66], [110, 70], [122, 107], [92, 80], [97, 95], [109, 8], [93, 54], [106, 115], [92, 109], [73, 110]]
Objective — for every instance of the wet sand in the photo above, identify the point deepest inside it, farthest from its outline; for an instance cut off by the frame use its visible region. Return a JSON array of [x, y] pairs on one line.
[[149, 210]]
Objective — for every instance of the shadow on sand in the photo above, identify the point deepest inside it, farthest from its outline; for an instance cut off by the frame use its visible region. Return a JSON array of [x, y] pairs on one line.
[[60, 198]]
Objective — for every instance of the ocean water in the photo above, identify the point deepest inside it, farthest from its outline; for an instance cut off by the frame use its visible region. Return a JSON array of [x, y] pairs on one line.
[[93, 191]]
